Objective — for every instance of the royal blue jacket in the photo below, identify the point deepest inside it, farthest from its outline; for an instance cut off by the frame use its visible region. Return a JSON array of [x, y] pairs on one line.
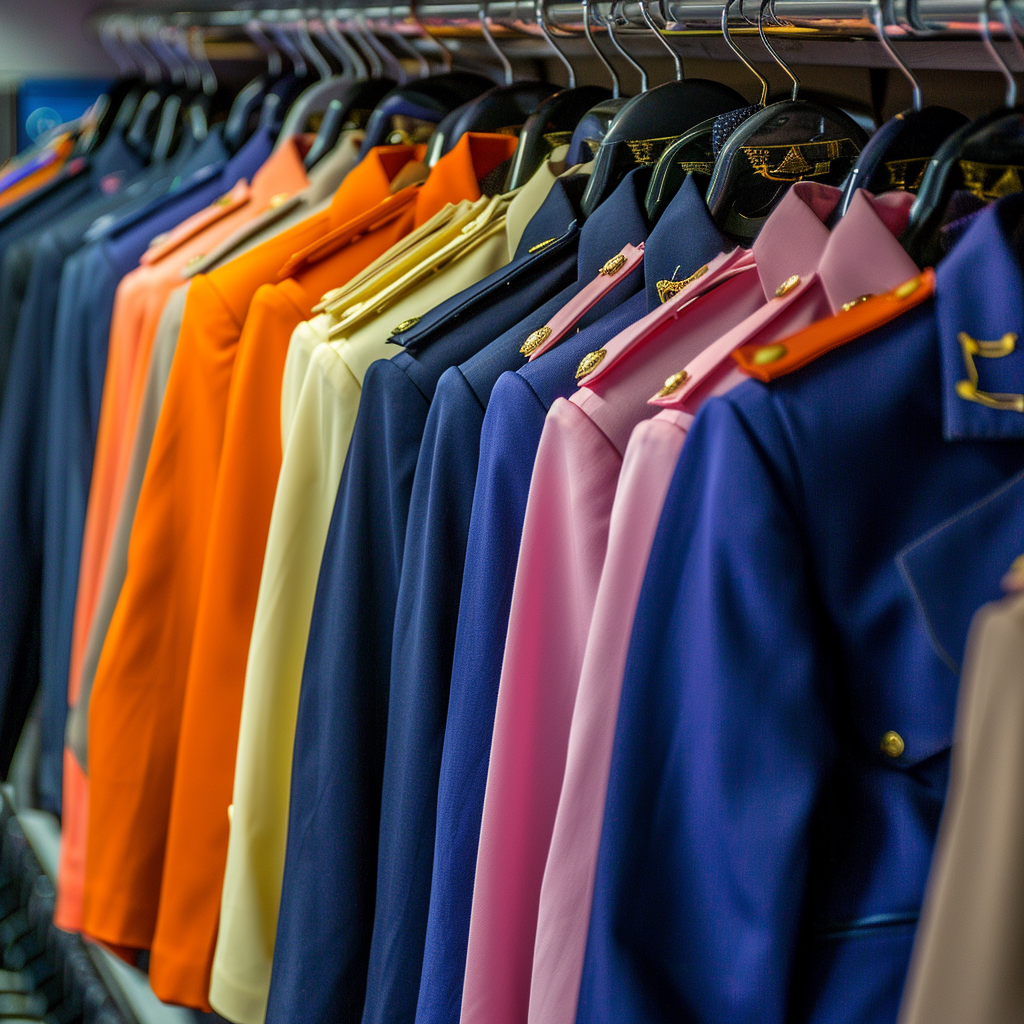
[[824, 543]]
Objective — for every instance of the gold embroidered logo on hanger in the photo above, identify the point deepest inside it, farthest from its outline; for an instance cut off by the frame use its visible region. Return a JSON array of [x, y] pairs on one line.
[[991, 181], [906, 175], [968, 389], [556, 139], [647, 151], [697, 166], [806, 160]]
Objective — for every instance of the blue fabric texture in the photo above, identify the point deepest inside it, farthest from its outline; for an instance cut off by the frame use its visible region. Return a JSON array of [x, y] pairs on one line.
[[321, 956], [683, 239], [763, 858]]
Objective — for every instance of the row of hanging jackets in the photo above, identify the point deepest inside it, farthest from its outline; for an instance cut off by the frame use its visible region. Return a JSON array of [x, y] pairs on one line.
[[471, 605]]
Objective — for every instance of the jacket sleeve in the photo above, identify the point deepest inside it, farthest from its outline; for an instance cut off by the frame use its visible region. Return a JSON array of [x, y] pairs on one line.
[[722, 744]]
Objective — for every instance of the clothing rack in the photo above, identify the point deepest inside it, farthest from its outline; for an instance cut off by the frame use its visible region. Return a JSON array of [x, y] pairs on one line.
[[930, 34]]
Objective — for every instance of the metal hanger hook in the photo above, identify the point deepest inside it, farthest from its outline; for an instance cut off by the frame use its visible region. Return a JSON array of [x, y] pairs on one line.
[[771, 49], [878, 15], [660, 36], [110, 40], [1010, 25], [541, 13], [403, 44], [1004, 68], [308, 47], [731, 43], [152, 68], [616, 89], [254, 30], [611, 22], [197, 50], [495, 49], [346, 53], [293, 53], [389, 62], [446, 54]]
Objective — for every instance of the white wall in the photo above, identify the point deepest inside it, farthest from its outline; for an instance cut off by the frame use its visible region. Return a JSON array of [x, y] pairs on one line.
[[50, 39]]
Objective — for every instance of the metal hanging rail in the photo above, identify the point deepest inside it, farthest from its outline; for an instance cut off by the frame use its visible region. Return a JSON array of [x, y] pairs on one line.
[[930, 33]]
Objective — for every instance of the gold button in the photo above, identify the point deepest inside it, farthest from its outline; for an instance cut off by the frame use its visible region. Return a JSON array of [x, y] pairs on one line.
[[541, 245], [673, 383], [224, 200], [769, 354], [535, 340], [787, 286], [406, 324], [892, 744], [613, 266], [905, 290], [847, 306], [590, 362], [276, 201]]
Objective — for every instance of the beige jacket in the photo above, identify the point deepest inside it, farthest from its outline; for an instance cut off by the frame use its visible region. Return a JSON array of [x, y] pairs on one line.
[[968, 960]]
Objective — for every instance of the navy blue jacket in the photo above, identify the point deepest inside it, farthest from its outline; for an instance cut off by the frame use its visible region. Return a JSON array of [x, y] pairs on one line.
[[322, 952], [684, 239], [427, 612], [823, 546]]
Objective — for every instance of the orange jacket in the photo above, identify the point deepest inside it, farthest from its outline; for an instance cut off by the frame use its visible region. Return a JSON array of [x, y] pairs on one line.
[[141, 680]]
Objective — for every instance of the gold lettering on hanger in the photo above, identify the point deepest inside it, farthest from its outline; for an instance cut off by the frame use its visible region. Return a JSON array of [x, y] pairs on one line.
[[666, 289], [697, 166], [647, 151], [799, 162], [906, 175], [968, 389], [556, 139], [991, 181]]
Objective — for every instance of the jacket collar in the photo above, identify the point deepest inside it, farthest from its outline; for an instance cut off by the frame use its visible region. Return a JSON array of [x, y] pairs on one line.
[[618, 220], [980, 295], [370, 181], [683, 240], [458, 173]]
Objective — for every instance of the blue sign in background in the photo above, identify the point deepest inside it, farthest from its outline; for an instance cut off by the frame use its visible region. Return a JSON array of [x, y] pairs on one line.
[[44, 103]]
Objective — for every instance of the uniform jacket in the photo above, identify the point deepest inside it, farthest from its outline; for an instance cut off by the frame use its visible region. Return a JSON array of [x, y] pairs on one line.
[[782, 747]]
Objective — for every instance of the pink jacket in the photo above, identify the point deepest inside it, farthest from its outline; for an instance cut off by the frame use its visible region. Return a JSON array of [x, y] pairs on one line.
[[572, 607]]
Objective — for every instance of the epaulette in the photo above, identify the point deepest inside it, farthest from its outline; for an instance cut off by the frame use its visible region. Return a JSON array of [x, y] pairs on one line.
[[857, 318]]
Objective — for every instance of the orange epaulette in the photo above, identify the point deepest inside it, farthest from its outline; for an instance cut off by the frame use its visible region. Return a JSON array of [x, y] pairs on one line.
[[775, 359], [372, 220]]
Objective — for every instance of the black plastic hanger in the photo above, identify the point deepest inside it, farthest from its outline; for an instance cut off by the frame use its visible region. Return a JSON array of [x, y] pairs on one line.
[[896, 156], [427, 99], [794, 140], [502, 108], [984, 160], [694, 151], [645, 125]]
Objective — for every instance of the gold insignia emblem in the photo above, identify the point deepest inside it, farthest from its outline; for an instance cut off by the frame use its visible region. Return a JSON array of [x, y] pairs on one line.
[[847, 306], [613, 266], [535, 340], [224, 200], [590, 362], [769, 354], [193, 260], [277, 200], [666, 289], [892, 744], [406, 324], [787, 286], [968, 389], [673, 383]]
